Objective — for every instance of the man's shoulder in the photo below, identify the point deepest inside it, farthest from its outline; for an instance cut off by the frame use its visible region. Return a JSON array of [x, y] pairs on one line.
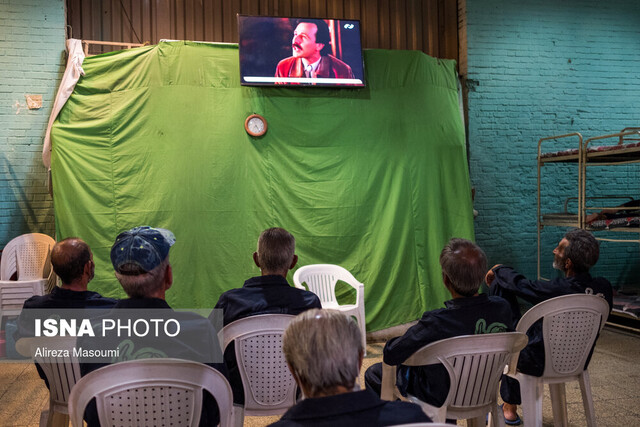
[[337, 62], [340, 66], [495, 300], [469, 312], [401, 412], [602, 282], [37, 301], [286, 62], [311, 300], [65, 298], [96, 300], [435, 313]]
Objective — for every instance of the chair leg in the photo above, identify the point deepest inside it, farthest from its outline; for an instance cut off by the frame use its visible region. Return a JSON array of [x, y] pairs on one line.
[[531, 394], [587, 399], [476, 422], [238, 415], [363, 330], [559, 404], [60, 420], [437, 415], [44, 418], [496, 417]]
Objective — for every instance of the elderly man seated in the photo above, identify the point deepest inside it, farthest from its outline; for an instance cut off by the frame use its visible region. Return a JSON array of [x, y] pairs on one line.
[[324, 353]]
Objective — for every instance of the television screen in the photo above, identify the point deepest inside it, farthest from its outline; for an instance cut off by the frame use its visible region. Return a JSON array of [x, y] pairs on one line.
[[299, 51]]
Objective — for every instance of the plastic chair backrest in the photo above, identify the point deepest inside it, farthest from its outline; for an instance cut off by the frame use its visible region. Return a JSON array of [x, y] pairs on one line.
[[475, 364], [28, 255], [62, 370], [269, 386], [322, 278], [570, 327], [153, 392], [13, 294]]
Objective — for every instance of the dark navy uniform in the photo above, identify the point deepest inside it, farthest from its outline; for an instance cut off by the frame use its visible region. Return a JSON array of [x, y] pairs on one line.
[[510, 284]]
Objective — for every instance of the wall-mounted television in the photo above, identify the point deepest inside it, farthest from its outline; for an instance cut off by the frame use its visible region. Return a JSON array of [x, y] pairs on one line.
[[300, 52]]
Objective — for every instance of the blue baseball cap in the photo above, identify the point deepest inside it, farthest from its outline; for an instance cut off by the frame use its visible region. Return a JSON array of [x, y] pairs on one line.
[[143, 246]]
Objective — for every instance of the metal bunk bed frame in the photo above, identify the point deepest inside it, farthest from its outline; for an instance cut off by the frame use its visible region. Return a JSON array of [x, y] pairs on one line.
[[585, 157]]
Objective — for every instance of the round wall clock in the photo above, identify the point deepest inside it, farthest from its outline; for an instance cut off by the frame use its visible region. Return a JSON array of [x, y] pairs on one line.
[[255, 125]]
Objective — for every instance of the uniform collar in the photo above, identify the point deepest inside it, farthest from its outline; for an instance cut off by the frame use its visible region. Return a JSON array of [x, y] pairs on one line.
[[270, 280], [467, 301], [333, 405], [142, 303]]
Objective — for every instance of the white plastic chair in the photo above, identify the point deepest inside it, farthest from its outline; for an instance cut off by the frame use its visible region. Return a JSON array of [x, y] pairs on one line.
[[151, 392], [321, 280], [570, 327], [13, 294], [269, 386], [29, 257], [62, 373], [475, 364]]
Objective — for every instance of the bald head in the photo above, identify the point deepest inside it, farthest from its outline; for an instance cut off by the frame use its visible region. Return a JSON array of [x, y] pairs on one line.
[[464, 264], [72, 261]]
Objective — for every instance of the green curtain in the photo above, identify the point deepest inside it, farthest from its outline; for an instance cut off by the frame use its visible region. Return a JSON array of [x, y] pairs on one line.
[[372, 179]]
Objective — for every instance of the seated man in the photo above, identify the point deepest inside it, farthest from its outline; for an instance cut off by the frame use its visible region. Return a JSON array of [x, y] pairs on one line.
[[269, 293], [72, 261], [463, 265], [140, 257], [324, 353], [576, 253]]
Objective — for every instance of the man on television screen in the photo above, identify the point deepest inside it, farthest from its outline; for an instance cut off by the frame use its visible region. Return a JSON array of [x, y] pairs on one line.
[[311, 45]]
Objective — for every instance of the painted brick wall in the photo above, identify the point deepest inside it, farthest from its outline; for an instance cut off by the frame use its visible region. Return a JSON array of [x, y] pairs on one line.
[[32, 42], [541, 68]]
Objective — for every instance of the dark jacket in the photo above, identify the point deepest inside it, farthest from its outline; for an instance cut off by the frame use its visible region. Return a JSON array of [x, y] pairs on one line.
[[358, 408], [265, 295], [480, 314], [509, 284], [59, 298], [259, 295]]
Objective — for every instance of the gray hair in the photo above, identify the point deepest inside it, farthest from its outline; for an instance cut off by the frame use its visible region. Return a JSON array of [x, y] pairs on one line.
[[323, 349], [276, 248], [138, 283], [583, 249], [465, 264]]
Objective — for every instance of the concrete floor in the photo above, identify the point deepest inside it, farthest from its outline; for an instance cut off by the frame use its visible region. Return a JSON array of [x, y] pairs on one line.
[[614, 370]]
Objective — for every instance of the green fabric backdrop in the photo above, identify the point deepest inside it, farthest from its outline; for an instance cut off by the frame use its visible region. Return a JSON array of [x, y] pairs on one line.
[[372, 179]]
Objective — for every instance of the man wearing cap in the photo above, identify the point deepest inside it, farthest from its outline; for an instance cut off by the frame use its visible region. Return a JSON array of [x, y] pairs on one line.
[[140, 257], [269, 293]]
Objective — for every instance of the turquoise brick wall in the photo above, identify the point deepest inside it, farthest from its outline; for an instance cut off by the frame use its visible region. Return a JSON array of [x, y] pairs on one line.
[[541, 68], [32, 42]]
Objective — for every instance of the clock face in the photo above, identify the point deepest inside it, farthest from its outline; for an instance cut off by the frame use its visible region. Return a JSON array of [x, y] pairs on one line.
[[255, 125]]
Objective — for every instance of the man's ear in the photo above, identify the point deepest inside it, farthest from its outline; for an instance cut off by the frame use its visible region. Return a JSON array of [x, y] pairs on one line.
[[88, 267], [294, 262], [319, 46], [255, 259], [295, 377], [446, 280], [168, 277], [568, 264]]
